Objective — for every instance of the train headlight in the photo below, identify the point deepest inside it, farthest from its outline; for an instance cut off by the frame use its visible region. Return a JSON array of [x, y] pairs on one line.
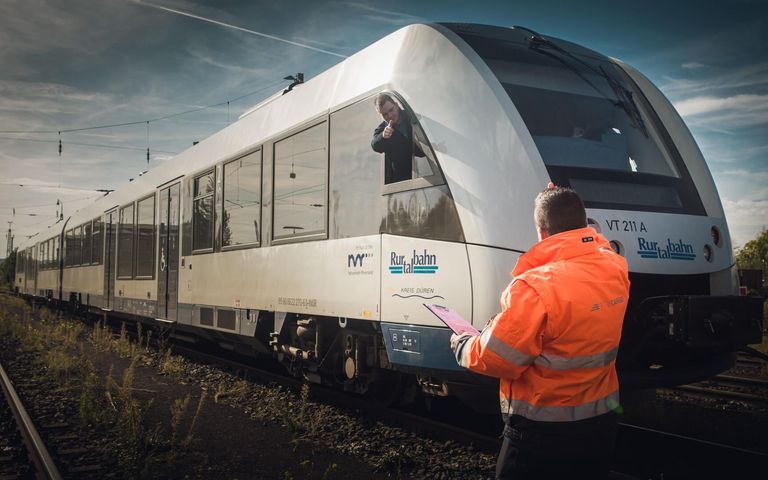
[[709, 255], [617, 247], [717, 239]]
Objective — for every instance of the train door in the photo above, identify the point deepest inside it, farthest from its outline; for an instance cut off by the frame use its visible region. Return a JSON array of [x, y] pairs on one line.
[[168, 253], [109, 259]]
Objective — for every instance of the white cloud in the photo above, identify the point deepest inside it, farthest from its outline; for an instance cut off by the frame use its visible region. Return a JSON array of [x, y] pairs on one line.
[[745, 77], [383, 15], [45, 98], [760, 177], [693, 65], [700, 105], [746, 218], [725, 112]]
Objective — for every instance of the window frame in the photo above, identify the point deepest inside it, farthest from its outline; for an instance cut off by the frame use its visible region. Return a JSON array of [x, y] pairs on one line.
[[136, 235], [120, 239], [78, 240], [297, 131], [437, 177], [89, 240], [258, 241], [56, 250], [197, 198], [69, 244], [98, 260]]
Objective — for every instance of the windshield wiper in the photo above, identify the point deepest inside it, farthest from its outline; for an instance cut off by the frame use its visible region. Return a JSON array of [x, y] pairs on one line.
[[624, 96]]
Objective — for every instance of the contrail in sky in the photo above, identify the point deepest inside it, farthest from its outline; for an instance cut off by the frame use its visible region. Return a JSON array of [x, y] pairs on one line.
[[216, 22]]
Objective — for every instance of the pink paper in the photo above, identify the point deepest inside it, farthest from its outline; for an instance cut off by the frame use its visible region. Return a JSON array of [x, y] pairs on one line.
[[452, 319]]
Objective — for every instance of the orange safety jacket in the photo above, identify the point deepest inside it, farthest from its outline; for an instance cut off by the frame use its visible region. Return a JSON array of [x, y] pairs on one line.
[[554, 344]]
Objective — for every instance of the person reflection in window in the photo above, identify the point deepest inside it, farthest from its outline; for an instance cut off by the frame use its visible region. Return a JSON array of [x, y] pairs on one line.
[[394, 138]]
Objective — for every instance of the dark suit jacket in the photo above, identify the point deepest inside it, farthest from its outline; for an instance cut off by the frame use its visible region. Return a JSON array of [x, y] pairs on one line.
[[398, 150]]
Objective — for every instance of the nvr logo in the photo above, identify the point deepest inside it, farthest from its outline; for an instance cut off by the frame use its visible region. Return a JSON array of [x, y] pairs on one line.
[[356, 260], [418, 263], [672, 250]]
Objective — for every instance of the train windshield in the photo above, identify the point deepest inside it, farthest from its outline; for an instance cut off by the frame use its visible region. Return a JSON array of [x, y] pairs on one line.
[[592, 126]]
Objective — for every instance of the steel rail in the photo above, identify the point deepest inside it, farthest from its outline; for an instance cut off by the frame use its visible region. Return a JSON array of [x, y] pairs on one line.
[[680, 456], [718, 393], [43, 461], [741, 380]]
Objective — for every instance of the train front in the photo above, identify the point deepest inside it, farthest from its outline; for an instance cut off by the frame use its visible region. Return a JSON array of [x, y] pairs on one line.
[[603, 129]]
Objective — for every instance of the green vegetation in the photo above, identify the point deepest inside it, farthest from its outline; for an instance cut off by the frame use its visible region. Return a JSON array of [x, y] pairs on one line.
[[104, 402], [7, 271], [755, 253]]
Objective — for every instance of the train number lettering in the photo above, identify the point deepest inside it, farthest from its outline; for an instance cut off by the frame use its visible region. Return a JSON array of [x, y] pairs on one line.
[[625, 226]]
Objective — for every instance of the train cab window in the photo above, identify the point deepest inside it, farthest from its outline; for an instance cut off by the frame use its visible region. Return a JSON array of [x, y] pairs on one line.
[[98, 242], [241, 215], [87, 243], [409, 161], [590, 122], [202, 212], [125, 243], [300, 185], [145, 239]]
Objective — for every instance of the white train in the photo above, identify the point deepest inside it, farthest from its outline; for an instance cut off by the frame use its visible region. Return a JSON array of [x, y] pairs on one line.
[[278, 233]]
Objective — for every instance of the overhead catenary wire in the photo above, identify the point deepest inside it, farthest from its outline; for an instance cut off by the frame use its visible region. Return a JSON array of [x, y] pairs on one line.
[[95, 145], [22, 207], [139, 122], [42, 185]]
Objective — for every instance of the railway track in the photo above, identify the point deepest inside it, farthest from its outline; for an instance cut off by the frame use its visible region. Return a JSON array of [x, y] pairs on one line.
[[652, 454], [405, 419], [641, 453], [24, 454], [729, 387]]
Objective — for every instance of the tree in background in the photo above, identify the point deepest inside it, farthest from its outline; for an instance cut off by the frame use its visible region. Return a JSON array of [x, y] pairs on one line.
[[755, 253], [7, 271]]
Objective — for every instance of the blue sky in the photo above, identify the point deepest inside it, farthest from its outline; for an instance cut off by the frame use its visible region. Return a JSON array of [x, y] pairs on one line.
[[82, 63]]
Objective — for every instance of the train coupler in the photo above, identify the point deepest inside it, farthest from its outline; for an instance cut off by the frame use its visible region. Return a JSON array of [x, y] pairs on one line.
[[702, 321]]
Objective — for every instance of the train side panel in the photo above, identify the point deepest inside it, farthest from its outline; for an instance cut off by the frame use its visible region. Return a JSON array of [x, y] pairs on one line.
[[336, 278]]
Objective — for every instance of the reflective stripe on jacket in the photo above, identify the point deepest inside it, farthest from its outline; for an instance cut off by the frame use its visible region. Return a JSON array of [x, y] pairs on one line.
[[555, 342]]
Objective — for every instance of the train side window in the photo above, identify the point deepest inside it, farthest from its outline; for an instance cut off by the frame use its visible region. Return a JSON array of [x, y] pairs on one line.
[[98, 241], [202, 212], [125, 243], [87, 243], [300, 185], [241, 215], [78, 248], [69, 245], [145, 237], [408, 159], [355, 174], [56, 251]]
